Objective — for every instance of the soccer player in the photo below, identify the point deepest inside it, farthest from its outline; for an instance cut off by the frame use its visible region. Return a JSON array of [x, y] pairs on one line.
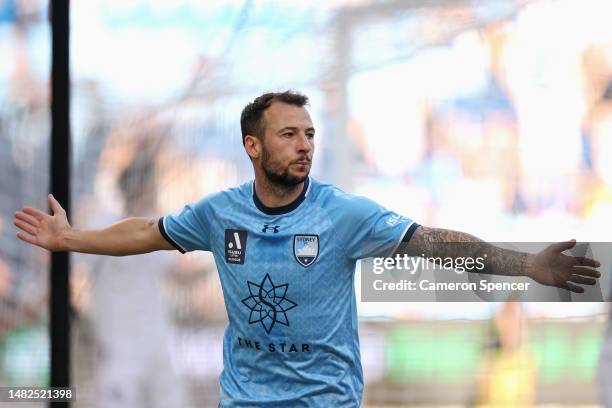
[[285, 246]]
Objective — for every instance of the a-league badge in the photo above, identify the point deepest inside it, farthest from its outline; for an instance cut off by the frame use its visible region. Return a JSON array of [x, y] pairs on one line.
[[235, 246], [306, 249]]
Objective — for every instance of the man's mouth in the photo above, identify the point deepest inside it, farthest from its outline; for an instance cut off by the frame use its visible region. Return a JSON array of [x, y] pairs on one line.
[[303, 162]]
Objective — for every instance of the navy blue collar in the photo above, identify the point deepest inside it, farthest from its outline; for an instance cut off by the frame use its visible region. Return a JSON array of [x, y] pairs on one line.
[[285, 208]]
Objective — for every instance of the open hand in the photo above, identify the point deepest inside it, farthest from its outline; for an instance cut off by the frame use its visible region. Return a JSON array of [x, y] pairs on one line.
[[41, 229], [551, 267]]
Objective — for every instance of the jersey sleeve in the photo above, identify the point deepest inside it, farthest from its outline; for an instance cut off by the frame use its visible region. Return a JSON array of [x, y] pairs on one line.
[[372, 230], [188, 230]]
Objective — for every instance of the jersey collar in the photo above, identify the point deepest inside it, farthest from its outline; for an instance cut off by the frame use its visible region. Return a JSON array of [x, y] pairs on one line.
[[285, 208]]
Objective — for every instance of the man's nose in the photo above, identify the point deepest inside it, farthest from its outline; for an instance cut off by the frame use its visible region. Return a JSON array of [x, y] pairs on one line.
[[304, 143]]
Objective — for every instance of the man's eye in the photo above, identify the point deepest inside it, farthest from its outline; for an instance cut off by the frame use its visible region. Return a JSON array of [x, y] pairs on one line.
[[288, 134], [310, 135]]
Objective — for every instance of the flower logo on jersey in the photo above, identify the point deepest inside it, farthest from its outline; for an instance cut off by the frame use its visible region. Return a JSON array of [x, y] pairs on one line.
[[268, 303]]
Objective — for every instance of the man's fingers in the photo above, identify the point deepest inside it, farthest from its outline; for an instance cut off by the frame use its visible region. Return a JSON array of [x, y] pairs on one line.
[[582, 261], [582, 279], [39, 215], [27, 218], [54, 204], [573, 288], [562, 246], [27, 238], [25, 226], [585, 272]]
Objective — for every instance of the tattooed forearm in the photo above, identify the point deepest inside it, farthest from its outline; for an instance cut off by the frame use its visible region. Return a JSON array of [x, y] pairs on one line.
[[438, 244]]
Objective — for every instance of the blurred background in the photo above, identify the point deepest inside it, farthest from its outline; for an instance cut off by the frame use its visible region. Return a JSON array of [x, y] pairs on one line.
[[490, 117]]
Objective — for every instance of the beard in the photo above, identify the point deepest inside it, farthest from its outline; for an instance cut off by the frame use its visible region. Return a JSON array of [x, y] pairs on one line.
[[277, 174]]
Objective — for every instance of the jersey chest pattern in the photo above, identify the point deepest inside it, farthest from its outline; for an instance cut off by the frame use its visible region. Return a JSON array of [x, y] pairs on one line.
[[270, 267], [288, 288]]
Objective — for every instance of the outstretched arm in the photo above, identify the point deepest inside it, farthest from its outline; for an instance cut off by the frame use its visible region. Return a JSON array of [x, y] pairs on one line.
[[548, 267], [53, 232]]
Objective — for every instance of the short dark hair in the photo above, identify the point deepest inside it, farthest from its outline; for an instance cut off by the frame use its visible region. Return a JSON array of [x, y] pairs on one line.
[[251, 119]]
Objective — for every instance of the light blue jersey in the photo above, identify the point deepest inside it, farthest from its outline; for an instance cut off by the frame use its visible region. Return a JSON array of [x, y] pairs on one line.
[[287, 278]]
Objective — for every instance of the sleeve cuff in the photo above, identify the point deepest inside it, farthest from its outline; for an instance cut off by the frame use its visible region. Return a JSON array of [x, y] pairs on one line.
[[410, 231], [162, 230]]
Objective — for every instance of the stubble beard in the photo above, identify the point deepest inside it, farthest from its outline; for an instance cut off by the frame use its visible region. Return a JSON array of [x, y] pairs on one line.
[[279, 177]]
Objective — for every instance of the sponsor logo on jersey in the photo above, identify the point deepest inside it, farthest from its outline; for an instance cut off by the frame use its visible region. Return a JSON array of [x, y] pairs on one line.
[[394, 219], [306, 249], [235, 246], [268, 227], [268, 303], [274, 347]]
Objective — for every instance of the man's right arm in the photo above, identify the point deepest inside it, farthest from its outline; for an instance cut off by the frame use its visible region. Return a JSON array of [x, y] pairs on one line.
[[130, 236], [53, 232]]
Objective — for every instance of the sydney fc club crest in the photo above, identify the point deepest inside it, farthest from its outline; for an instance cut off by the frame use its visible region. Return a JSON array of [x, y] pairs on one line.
[[268, 303], [306, 249], [235, 246]]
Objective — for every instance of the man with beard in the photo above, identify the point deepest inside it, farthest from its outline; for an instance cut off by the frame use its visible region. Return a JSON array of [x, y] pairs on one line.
[[286, 247]]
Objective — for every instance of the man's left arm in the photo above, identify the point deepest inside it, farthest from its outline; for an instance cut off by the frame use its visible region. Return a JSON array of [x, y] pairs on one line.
[[548, 267]]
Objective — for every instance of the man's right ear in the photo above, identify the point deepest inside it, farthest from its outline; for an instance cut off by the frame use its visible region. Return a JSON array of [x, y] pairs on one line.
[[252, 145]]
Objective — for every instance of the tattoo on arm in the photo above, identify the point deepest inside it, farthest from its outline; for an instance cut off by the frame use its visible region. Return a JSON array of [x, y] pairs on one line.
[[437, 244]]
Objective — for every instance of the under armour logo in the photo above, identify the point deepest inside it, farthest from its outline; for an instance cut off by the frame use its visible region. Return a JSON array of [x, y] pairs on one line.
[[267, 227]]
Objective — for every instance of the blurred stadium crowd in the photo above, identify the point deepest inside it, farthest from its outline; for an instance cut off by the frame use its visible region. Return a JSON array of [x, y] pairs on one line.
[[494, 118]]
